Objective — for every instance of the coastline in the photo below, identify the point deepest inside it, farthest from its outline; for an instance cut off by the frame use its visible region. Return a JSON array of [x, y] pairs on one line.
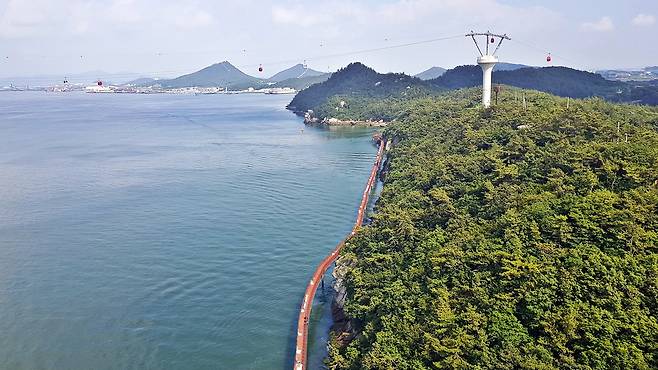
[[310, 119], [335, 122], [343, 330], [301, 348]]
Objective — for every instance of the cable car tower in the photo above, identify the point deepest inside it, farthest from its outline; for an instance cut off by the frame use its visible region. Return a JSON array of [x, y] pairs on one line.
[[487, 61]]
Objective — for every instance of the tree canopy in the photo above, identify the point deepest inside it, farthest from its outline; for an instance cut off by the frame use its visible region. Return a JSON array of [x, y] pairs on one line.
[[358, 82], [509, 238]]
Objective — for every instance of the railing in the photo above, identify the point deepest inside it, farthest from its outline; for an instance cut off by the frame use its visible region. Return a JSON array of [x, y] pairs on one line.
[[305, 310]]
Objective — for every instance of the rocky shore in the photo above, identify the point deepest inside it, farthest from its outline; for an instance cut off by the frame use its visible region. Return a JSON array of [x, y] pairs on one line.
[[311, 120], [343, 327]]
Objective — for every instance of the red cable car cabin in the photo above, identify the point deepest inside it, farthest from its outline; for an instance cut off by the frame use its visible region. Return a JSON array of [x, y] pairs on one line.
[[549, 58]]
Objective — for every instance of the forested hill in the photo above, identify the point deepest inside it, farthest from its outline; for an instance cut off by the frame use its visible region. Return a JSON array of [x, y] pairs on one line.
[[560, 81], [294, 72], [357, 81], [510, 239]]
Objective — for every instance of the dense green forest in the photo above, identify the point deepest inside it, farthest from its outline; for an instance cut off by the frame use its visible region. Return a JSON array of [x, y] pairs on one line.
[[555, 80], [509, 238], [359, 83]]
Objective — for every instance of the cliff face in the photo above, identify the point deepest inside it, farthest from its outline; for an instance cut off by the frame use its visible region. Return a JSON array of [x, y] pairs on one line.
[[343, 327]]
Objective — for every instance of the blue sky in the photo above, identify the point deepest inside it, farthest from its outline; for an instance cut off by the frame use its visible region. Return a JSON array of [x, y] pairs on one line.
[[171, 37]]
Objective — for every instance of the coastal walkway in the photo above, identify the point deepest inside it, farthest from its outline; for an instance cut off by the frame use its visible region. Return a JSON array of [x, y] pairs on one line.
[[312, 287]]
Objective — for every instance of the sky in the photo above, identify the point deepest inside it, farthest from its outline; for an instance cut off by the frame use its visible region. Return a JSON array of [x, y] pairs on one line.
[[164, 38]]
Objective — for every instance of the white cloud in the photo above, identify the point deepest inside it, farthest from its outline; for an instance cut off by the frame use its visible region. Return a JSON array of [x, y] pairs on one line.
[[473, 13], [644, 20], [22, 18], [602, 25], [296, 16], [125, 11], [193, 18]]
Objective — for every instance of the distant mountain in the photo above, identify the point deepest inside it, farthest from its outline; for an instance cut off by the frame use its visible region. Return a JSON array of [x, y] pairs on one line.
[[653, 70], [559, 81], [431, 73], [459, 77], [296, 71], [224, 74], [302, 83], [219, 74], [645, 74], [356, 80], [509, 66], [436, 72], [142, 81]]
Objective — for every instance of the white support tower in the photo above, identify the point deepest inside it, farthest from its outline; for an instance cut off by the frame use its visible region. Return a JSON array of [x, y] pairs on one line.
[[487, 61]]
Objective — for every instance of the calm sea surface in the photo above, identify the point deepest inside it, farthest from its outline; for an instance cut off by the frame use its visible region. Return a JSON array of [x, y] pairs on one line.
[[165, 232]]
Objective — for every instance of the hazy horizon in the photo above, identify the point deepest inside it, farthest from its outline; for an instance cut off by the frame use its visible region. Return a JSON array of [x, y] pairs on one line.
[[148, 38]]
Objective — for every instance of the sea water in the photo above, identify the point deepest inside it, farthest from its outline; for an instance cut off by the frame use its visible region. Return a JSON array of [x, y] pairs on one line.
[[166, 231]]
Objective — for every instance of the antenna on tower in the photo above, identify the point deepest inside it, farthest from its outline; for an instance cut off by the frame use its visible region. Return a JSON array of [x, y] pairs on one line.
[[487, 60]]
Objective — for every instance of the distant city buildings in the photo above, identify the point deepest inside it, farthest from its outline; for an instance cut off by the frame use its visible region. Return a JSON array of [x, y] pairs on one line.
[[156, 89]]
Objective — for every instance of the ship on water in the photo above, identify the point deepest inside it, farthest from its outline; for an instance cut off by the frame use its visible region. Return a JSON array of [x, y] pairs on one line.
[[99, 87]]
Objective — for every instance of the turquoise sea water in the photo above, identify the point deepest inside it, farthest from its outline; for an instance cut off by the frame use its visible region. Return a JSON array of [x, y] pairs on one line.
[[165, 232]]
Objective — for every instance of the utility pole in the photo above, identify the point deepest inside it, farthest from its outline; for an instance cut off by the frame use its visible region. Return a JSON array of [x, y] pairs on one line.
[[487, 61]]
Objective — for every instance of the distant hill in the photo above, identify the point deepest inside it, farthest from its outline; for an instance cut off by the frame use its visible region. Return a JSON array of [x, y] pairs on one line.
[[436, 72], [143, 81], [509, 66], [358, 83], [559, 81], [294, 72], [431, 73], [224, 74], [459, 77], [219, 74], [628, 75], [356, 80], [470, 75], [302, 83], [653, 70]]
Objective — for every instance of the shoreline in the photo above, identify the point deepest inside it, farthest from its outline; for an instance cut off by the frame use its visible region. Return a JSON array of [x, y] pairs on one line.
[[311, 120], [317, 279], [335, 122]]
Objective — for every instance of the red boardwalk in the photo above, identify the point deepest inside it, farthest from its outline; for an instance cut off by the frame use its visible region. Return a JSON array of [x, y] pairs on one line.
[[312, 287]]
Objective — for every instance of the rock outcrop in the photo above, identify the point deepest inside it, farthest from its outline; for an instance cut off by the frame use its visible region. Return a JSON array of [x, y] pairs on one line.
[[343, 326], [312, 120]]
